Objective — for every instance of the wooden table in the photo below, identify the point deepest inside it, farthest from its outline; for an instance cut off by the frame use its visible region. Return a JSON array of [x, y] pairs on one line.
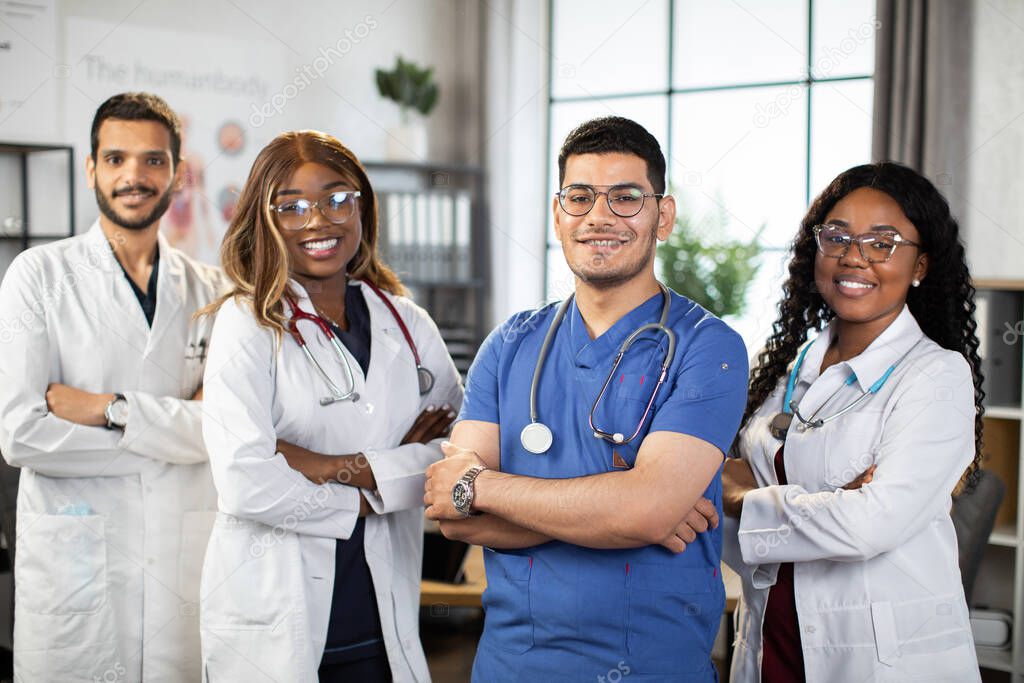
[[468, 594], [458, 594]]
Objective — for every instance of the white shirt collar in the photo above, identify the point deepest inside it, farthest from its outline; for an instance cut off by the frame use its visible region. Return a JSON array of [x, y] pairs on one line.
[[869, 366]]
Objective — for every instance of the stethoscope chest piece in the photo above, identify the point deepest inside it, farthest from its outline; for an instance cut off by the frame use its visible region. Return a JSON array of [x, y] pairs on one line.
[[780, 425], [426, 379], [536, 437], [335, 398]]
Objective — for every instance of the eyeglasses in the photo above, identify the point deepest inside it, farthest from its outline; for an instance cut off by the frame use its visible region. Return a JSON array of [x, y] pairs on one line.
[[624, 201], [875, 247], [336, 207]]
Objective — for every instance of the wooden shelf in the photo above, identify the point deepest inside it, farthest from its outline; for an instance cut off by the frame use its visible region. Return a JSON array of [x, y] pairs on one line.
[[1005, 412], [1002, 456], [1011, 285], [1004, 535]]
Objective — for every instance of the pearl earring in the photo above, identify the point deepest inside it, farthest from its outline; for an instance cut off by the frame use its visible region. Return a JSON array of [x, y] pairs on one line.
[[916, 282]]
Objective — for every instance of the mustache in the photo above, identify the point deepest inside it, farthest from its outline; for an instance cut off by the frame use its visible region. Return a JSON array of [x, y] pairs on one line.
[[588, 234], [133, 189]]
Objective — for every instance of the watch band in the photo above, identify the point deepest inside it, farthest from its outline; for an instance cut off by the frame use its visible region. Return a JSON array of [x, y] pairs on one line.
[[468, 480], [107, 412]]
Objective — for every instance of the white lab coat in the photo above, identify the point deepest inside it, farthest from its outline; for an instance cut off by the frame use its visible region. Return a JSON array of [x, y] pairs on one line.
[[269, 572], [112, 525], [877, 584]]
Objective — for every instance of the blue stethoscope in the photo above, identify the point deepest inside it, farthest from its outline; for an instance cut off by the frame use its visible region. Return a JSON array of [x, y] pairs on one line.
[[780, 423], [537, 438]]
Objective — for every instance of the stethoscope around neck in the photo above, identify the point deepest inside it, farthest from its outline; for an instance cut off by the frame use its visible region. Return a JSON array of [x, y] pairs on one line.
[[537, 437], [424, 377], [780, 424]]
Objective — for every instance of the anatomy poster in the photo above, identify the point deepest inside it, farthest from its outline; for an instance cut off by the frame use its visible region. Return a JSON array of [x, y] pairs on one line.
[[212, 82]]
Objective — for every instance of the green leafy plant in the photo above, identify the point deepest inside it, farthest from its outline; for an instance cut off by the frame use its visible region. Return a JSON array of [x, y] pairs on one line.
[[410, 86], [699, 262]]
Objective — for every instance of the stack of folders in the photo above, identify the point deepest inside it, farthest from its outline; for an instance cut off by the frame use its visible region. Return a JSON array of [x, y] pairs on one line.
[[425, 236]]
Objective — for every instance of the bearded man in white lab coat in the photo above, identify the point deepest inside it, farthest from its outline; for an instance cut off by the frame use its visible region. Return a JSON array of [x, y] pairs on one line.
[[101, 361]]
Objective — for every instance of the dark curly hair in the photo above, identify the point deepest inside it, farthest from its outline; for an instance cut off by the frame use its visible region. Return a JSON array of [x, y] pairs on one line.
[[943, 304]]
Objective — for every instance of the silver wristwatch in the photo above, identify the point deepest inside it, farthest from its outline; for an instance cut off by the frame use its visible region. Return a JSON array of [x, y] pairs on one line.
[[116, 412], [464, 490]]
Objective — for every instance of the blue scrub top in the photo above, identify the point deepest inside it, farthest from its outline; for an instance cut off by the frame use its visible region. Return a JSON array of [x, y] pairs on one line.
[[563, 612]]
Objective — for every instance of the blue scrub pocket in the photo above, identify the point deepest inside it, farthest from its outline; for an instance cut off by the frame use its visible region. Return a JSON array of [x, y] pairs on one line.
[[672, 617], [509, 623]]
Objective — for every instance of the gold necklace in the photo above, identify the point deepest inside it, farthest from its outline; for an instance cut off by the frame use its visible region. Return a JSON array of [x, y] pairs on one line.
[[327, 317]]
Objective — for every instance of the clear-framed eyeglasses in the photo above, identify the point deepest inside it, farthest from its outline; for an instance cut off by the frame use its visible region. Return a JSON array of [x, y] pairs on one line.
[[624, 201], [875, 247], [336, 207]]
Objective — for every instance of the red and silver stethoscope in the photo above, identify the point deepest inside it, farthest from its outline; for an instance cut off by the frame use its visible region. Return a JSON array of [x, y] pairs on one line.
[[423, 375]]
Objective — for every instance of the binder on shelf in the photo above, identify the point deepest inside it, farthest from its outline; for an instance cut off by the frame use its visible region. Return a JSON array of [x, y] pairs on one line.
[[448, 237], [431, 223], [463, 226], [1000, 330], [435, 236], [422, 238], [406, 219]]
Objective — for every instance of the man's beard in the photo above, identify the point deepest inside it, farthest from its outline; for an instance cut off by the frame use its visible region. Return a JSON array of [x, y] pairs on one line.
[[153, 216], [609, 280]]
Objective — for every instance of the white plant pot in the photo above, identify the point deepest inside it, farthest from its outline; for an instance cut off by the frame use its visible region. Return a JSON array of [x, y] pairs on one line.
[[408, 142]]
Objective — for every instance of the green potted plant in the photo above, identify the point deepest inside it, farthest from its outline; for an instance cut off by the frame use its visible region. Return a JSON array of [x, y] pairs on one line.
[[416, 92], [699, 262]]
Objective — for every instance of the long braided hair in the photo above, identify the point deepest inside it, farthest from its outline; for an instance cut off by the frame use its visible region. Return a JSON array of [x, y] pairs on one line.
[[943, 304]]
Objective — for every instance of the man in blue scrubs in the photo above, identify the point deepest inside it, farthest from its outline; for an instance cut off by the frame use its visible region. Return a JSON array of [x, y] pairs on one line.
[[597, 567]]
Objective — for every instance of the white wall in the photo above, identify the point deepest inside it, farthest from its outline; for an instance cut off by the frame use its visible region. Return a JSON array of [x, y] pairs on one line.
[[993, 218], [98, 49], [515, 131]]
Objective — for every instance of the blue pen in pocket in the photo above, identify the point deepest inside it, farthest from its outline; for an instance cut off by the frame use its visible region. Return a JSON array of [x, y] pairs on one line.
[[75, 509]]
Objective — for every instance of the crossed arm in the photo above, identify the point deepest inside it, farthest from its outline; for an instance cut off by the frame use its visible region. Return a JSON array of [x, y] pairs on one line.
[[356, 469], [656, 502]]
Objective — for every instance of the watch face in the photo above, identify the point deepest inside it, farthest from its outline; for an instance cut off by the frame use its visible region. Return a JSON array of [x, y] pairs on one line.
[[460, 496], [119, 412]]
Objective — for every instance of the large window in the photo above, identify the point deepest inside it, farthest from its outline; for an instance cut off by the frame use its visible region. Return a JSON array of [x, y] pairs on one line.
[[757, 104]]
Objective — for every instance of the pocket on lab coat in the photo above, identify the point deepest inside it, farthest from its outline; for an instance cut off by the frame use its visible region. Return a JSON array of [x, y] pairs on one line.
[[850, 447], [62, 564], [955, 665], [245, 581], [195, 536], [250, 603], [258, 654], [191, 377], [672, 616], [507, 601], [923, 640]]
